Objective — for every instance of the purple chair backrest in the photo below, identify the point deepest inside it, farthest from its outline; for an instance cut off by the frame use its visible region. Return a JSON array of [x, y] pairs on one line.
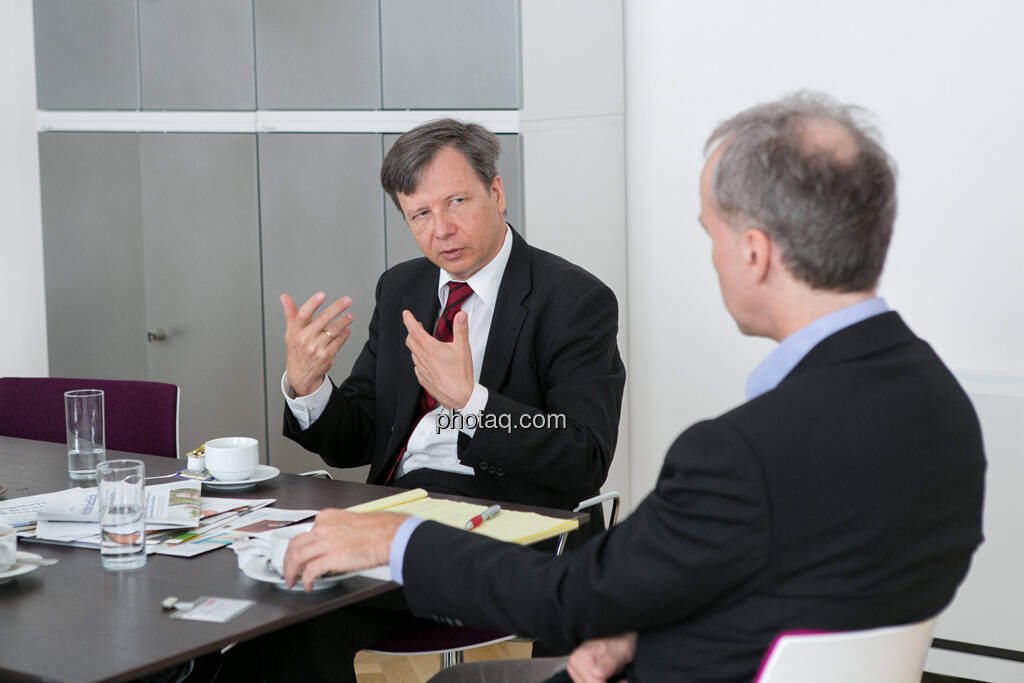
[[140, 417]]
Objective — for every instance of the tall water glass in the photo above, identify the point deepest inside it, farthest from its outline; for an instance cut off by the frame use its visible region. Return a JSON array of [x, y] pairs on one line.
[[83, 416], [122, 502]]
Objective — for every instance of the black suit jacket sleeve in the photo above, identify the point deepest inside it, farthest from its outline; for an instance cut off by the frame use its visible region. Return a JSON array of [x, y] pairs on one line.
[[700, 535], [344, 433], [554, 429]]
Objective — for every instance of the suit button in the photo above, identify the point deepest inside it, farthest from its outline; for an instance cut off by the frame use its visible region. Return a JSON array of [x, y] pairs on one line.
[[483, 466], [501, 472]]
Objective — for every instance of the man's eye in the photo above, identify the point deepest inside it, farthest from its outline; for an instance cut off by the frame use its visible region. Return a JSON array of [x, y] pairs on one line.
[[421, 214], [458, 200]]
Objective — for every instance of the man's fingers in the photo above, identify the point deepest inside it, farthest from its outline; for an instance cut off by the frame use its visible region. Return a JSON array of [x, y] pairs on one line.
[[324, 317], [288, 304], [460, 329], [306, 312], [300, 550], [414, 327], [337, 338]]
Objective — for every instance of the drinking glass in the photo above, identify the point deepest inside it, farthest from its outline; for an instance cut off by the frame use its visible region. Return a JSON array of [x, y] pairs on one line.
[[121, 495], [83, 413]]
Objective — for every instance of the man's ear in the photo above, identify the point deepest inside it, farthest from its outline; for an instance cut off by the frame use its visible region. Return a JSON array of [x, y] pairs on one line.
[[758, 252], [498, 192]]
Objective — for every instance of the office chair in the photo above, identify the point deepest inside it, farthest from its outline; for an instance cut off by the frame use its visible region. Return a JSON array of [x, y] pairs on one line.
[[139, 417], [891, 654]]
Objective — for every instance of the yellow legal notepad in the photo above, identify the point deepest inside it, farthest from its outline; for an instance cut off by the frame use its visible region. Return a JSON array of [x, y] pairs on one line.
[[511, 525]]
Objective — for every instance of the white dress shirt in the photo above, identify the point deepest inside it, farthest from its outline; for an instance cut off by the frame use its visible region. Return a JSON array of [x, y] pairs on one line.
[[427, 447]]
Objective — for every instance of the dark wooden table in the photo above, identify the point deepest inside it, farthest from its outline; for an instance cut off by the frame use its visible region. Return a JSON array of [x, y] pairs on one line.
[[75, 622]]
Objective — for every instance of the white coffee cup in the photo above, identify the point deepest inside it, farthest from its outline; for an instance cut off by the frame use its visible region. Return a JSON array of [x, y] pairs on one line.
[[8, 547], [279, 541], [232, 458]]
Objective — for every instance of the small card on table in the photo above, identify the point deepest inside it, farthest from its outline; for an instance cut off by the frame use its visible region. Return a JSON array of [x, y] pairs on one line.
[[219, 610]]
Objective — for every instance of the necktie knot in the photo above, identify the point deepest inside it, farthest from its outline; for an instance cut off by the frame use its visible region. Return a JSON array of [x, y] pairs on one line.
[[457, 293]]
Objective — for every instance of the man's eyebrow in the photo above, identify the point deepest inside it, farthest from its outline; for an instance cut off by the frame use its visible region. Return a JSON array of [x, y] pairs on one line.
[[413, 212]]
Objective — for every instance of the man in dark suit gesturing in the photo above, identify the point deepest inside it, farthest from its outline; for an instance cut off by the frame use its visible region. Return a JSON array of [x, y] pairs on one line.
[[523, 346], [846, 493], [530, 361]]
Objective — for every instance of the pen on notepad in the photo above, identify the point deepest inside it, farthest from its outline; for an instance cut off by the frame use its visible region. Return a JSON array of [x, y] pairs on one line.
[[483, 517]]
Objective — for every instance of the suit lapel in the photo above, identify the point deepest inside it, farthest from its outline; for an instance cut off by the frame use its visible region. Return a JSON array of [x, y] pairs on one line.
[[509, 315], [423, 304]]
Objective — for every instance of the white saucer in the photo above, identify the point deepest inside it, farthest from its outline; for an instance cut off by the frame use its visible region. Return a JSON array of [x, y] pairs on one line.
[[19, 568], [262, 473], [259, 568]]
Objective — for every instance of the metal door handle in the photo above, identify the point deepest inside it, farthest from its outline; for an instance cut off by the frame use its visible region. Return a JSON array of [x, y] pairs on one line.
[[156, 334]]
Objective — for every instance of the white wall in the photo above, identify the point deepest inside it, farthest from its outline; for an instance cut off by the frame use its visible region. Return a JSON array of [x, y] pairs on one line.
[[944, 79], [945, 82], [23, 319], [574, 155]]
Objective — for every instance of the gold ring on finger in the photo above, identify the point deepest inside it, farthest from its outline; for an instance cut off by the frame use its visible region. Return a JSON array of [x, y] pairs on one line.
[[328, 333]]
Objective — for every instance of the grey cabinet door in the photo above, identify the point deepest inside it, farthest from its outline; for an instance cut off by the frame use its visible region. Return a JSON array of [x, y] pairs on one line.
[[197, 54], [92, 248], [202, 272], [400, 244], [450, 54], [323, 229], [86, 54], [317, 54]]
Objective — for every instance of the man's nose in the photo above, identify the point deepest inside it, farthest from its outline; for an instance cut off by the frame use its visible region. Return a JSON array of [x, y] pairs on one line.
[[444, 226]]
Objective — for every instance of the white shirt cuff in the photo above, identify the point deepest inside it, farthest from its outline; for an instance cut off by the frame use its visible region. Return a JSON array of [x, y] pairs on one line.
[[306, 409], [474, 406], [399, 542]]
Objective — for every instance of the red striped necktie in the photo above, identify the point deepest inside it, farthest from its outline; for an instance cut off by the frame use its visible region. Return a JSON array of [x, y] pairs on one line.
[[458, 292]]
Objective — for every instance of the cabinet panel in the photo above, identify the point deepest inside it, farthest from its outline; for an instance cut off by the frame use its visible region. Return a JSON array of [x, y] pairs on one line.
[[86, 54], [92, 248], [400, 244], [317, 54], [323, 229], [202, 273], [450, 54], [197, 54]]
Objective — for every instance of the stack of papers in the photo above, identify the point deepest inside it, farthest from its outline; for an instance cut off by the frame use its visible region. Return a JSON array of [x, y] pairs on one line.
[[179, 520], [73, 514]]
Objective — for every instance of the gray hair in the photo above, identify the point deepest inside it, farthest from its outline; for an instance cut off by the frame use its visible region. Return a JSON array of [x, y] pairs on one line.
[[813, 175], [414, 151]]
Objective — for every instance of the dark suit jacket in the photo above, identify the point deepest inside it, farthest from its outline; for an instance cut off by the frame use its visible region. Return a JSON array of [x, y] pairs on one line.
[[848, 497], [551, 349]]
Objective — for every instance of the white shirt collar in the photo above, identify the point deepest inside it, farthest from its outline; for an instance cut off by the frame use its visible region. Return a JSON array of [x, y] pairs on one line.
[[486, 281]]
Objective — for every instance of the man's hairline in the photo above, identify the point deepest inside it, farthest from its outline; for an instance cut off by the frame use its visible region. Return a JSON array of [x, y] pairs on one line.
[[419, 173]]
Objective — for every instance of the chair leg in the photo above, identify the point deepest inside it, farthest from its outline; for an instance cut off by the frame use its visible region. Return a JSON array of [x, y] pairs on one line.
[[450, 658]]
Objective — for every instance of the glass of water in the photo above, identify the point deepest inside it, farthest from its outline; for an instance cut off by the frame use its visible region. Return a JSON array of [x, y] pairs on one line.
[[83, 416], [121, 498]]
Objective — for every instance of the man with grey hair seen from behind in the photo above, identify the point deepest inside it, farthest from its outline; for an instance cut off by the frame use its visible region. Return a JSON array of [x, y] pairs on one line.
[[844, 494]]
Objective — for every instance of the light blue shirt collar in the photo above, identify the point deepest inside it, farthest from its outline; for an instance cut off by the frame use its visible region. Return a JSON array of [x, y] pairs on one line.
[[791, 350]]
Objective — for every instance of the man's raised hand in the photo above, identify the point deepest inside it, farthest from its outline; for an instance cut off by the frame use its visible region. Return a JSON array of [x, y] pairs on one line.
[[445, 370], [311, 342]]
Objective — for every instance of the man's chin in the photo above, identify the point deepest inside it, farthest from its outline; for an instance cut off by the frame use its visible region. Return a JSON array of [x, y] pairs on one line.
[[460, 268]]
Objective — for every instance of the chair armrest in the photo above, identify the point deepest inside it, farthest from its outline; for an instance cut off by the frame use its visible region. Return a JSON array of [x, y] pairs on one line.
[[323, 474], [589, 503]]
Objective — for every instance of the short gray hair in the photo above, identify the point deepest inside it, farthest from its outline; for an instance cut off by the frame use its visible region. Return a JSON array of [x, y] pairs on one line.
[[414, 151], [830, 208]]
